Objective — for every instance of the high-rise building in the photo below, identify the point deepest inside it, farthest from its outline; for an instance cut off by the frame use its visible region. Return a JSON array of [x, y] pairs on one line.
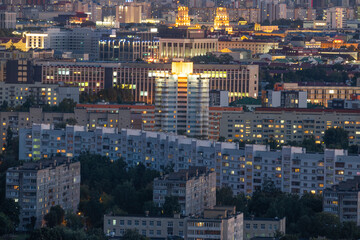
[[182, 19], [221, 20], [7, 20], [336, 17], [128, 13], [343, 199], [182, 101], [38, 186], [285, 99], [195, 189]]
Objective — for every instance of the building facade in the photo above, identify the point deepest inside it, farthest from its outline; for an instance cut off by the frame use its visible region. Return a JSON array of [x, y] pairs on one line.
[[7, 20], [263, 227], [321, 94], [343, 200], [254, 46], [244, 170], [285, 125], [38, 186], [240, 80], [285, 99], [195, 189], [182, 101]]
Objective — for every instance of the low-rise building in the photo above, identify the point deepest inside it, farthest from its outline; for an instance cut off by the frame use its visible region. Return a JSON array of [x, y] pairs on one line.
[[195, 189], [263, 227], [38, 186], [151, 227], [254, 46]]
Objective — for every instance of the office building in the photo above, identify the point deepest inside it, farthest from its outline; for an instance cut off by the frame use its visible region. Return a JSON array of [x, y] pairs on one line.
[[130, 12], [78, 41], [151, 227], [285, 99], [255, 46], [195, 189], [343, 200], [35, 40], [291, 169], [321, 93], [239, 80], [182, 19], [263, 227], [129, 47], [7, 20], [38, 186], [217, 223], [182, 101]]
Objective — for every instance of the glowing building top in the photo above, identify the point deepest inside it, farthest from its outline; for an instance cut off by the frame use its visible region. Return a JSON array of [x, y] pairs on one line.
[[183, 17], [221, 19]]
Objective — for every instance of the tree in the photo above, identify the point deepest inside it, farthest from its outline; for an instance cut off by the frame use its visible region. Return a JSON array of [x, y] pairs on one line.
[[55, 217], [73, 221], [171, 206], [71, 121], [336, 138], [67, 105], [133, 234], [224, 197], [6, 225]]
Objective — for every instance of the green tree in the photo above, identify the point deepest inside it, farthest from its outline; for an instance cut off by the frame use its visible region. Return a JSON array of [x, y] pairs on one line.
[[336, 138], [133, 234], [71, 121], [74, 221], [171, 206], [67, 106], [55, 216], [224, 197], [6, 225]]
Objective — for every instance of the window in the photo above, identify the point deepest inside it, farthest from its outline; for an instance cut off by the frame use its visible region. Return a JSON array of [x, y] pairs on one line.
[[158, 223], [143, 232], [158, 232], [151, 232], [136, 222], [114, 222], [262, 226], [144, 223], [248, 226], [181, 224], [129, 222], [122, 222], [255, 226], [151, 223]]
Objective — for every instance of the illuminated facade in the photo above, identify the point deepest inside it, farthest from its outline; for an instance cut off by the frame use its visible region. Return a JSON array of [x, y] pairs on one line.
[[129, 13], [254, 46], [182, 101], [35, 40], [321, 94], [182, 19], [221, 20], [243, 170], [288, 125], [240, 80]]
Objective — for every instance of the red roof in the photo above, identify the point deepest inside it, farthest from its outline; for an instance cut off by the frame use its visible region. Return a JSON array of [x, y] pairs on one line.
[[115, 106], [304, 110]]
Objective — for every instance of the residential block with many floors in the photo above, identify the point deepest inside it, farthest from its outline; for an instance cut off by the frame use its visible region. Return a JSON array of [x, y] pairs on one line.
[[263, 227], [288, 124], [195, 189], [38, 186], [244, 170], [342, 200]]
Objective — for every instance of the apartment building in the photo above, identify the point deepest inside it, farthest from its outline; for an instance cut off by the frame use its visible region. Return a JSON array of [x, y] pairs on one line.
[[195, 189], [151, 227], [37, 186], [342, 200], [254, 46], [7, 20], [284, 99], [217, 223], [263, 227], [90, 116], [182, 101], [321, 93], [239, 80], [16, 94], [284, 125], [292, 169]]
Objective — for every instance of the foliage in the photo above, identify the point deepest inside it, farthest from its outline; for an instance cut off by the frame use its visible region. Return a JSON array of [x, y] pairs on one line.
[[113, 95], [309, 144], [212, 58], [61, 232], [65, 106], [55, 217], [112, 186], [171, 206], [133, 234], [246, 101], [336, 138]]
